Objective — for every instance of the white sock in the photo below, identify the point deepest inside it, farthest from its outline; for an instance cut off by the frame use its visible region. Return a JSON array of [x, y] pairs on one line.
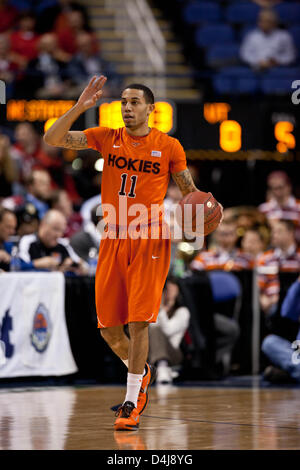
[[134, 382], [126, 364]]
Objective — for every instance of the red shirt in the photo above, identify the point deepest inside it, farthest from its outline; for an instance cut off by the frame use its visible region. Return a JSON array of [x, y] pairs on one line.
[[8, 17], [24, 44]]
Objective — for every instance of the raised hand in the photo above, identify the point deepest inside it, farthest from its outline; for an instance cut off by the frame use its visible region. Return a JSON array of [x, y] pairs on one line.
[[92, 92]]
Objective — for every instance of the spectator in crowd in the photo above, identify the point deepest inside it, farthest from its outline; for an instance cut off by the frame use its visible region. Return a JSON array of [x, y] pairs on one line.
[[165, 336], [8, 16], [28, 220], [47, 250], [8, 170], [8, 68], [225, 255], [24, 41], [281, 204], [268, 46], [46, 74], [64, 8], [26, 151], [8, 224], [54, 18], [87, 207], [61, 201], [280, 351], [52, 159], [283, 257], [77, 23], [85, 64], [89, 237], [253, 244], [38, 191]]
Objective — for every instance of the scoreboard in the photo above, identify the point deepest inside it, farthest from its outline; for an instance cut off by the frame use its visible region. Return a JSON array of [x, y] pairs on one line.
[[216, 129]]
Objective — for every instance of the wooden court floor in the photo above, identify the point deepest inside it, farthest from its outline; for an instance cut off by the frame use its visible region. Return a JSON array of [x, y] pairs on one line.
[[79, 418]]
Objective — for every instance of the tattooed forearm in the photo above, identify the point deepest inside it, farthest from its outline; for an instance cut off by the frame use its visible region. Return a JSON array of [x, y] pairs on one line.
[[184, 181], [75, 140]]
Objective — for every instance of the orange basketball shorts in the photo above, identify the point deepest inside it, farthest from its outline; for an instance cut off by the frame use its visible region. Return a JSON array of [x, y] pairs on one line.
[[129, 280]]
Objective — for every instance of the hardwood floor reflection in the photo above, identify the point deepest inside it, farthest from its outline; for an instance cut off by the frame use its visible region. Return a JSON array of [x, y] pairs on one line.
[[176, 418]]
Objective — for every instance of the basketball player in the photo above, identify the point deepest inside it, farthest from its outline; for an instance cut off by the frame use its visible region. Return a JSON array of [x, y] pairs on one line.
[[131, 273]]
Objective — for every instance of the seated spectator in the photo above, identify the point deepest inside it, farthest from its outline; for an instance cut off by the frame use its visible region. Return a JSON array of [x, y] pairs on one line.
[[53, 17], [46, 74], [28, 220], [8, 170], [24, 41], [253, 244], [89, 237], [279, 350], [166, 334], [30, 152], [67, 38], [268, 46], [61, 201], [281, 203], [52, 159], [26, 151], [8, 224], [283, 257], [8, 68], [8, 16], [47, 250], [87, 207], [87, 63], [38, 187], [225, 255], [38, 192]]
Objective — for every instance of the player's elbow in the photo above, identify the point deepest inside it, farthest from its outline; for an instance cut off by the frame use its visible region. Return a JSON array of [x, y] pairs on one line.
[[50, 140]]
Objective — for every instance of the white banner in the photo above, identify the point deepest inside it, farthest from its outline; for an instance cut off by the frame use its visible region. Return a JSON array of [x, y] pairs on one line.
[[34, 339]]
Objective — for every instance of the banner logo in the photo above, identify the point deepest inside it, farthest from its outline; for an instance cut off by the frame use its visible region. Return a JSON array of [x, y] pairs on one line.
[[41, 330]]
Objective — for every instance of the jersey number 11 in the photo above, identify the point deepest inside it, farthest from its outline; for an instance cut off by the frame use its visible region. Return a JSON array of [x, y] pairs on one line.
[[133, 180]]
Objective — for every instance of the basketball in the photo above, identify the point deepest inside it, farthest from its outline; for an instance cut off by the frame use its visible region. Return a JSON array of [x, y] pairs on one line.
[[212, 213]]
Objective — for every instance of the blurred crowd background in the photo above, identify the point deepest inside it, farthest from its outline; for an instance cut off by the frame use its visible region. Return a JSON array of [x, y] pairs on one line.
[[49, 197]]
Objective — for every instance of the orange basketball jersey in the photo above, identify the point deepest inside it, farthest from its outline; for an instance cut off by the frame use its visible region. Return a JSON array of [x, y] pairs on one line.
[[136, 169]]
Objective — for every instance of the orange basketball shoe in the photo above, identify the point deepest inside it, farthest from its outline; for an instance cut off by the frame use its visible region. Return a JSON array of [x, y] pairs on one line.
[[127, 417], [148, 379]]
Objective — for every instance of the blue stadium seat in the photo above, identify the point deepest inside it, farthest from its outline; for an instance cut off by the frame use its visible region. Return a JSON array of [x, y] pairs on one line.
[[210, 34], [242, 13], [222, 55], [284, 72], [225, 286], [236, 80], [202, 12], [245, 30], [288, 12], [276, 86], [295, 32]]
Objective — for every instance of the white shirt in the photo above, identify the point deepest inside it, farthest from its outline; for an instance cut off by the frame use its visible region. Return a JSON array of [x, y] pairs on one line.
[[175, 327], [259, 46]]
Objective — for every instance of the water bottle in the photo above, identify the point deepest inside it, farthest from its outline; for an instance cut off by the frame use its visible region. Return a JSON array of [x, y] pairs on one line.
[[92, 261], [178, 267], [15, 262]]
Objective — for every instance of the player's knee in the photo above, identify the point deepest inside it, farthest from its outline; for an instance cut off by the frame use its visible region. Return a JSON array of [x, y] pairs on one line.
[[137, 327], [112, 337]]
